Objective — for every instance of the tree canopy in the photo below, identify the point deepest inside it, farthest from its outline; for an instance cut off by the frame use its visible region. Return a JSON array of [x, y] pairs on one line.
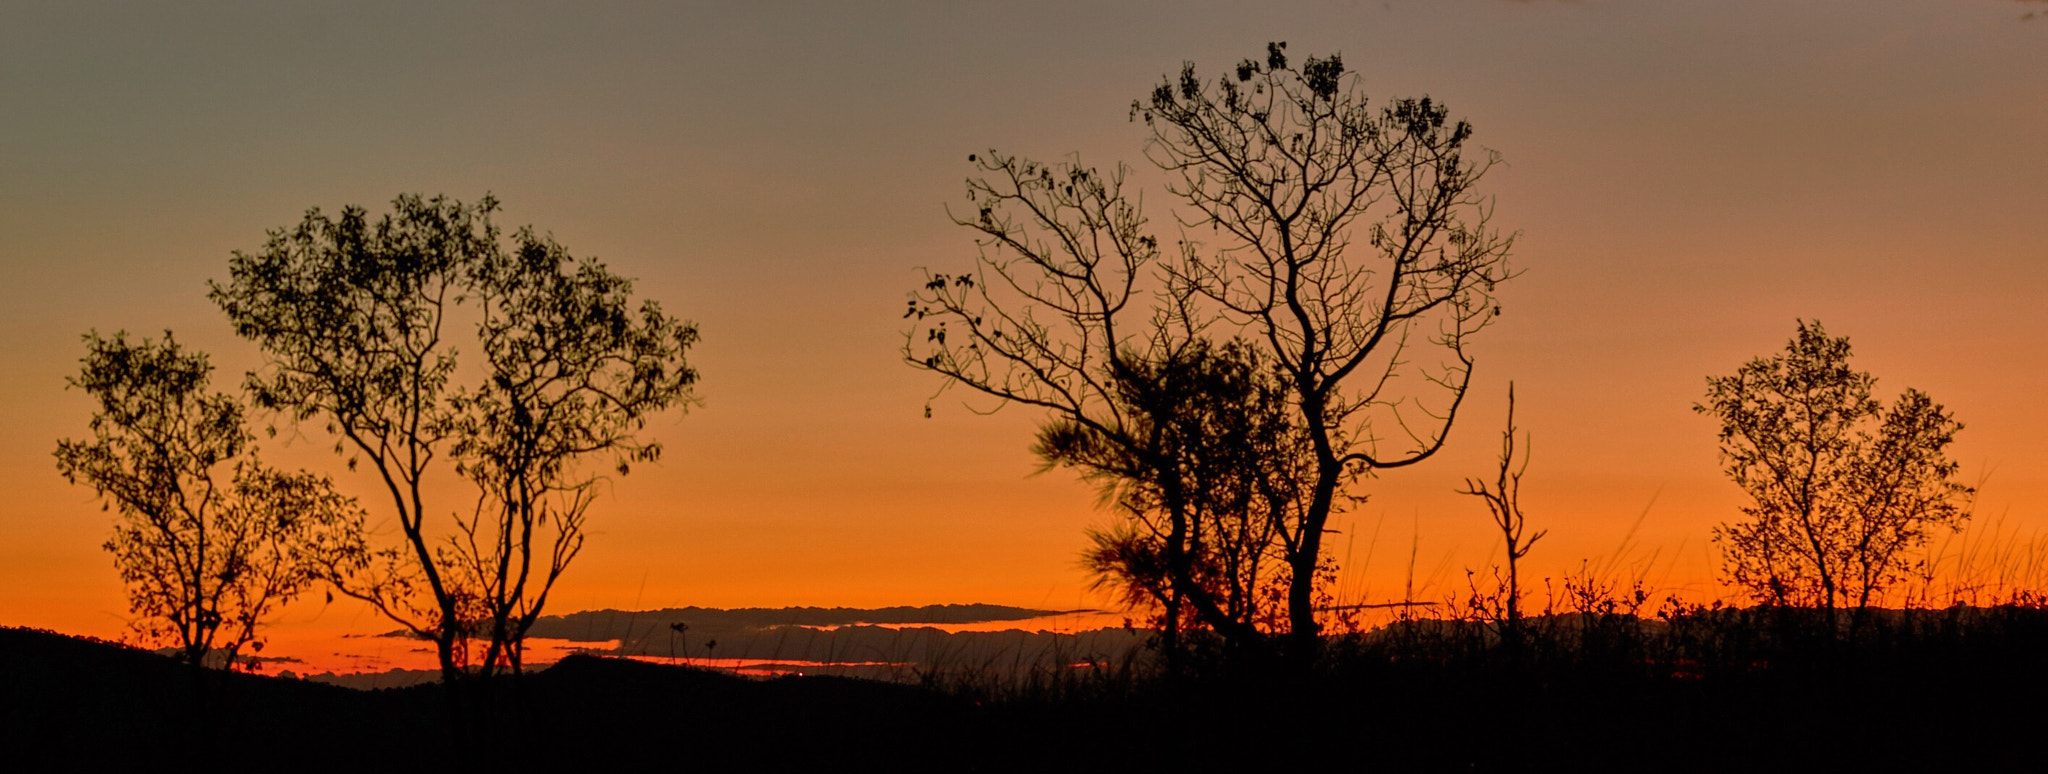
[[360, 321], [210, 541], [1842, 487]]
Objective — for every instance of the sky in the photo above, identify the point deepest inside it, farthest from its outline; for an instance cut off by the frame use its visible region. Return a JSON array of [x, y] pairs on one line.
[[1688, 180]]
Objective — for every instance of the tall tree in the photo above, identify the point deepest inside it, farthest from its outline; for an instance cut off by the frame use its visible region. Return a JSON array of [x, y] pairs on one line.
[[1841, 487], [576, 370], [359, 323], [1351, 246], [210, 541]]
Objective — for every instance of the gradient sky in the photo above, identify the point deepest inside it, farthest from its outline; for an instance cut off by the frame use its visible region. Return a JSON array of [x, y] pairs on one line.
[[1689, 178]]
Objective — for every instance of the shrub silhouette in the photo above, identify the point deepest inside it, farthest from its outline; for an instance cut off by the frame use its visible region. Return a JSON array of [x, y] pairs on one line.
[[1209, 476]]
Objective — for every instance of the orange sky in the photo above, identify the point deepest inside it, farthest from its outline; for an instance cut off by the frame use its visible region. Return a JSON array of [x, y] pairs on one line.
[[1689, 178]]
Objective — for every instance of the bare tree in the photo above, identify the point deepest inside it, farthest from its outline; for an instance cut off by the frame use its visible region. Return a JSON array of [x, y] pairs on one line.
[[1503, 500], [1351, 248], [1071, 315], [210, 541], [358, 322], [1841, 487]]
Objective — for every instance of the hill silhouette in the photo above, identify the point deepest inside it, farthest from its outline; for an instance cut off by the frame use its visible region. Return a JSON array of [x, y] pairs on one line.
[[67, 702], [1956, 699], [71, 703]]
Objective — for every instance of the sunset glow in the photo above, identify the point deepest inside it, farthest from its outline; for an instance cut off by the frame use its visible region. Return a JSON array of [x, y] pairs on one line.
[[1688, 180]]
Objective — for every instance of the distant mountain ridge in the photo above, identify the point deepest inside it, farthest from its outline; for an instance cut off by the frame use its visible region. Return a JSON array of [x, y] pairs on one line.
[[609, 624], [886, 643], [612, 624], [889, 642]]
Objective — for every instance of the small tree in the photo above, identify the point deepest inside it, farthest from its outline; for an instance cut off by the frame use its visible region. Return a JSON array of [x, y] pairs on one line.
[[1503, 500], [210, 541], [1841, 487], [1210, 475], [357, 320]]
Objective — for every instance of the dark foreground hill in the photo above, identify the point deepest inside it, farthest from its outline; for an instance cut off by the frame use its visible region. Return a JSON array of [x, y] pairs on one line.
[[68, 704]]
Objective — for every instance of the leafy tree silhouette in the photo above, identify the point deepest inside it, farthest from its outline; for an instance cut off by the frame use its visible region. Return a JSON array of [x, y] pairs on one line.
[[1841, 487], [356, 318], [1352, 251], [1210, 473], [210, 540]]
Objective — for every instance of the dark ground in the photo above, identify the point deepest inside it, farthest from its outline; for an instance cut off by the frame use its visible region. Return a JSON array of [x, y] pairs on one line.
[[1925, 703]]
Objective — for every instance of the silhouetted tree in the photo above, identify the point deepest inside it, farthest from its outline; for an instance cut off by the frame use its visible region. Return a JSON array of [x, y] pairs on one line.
[[1212, 474], [1062, 333], [1841, 487], [210, 541], [355, 318], [575, 370], [1503, 500], [1352, 251]]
